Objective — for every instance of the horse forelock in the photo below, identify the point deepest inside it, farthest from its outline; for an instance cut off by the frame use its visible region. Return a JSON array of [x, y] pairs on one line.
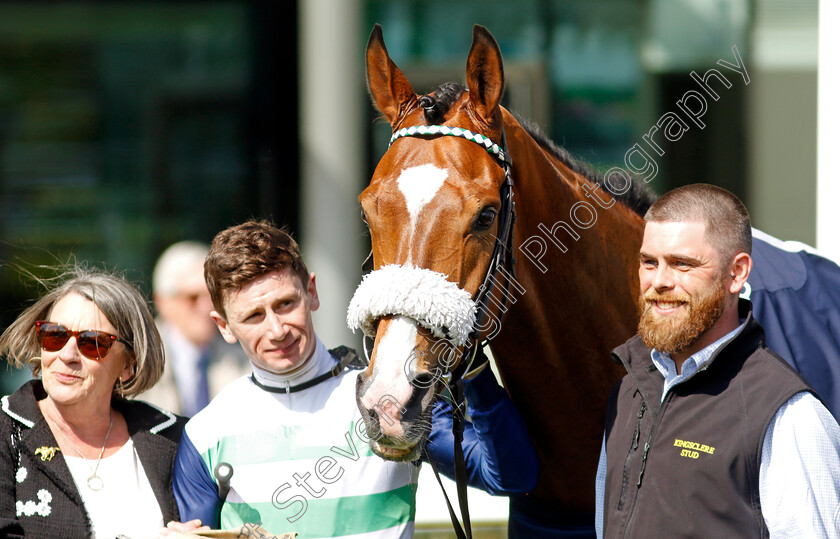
[[438, 102]]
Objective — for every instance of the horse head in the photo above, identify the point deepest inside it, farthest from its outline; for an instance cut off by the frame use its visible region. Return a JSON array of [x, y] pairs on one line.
[[433, 208]]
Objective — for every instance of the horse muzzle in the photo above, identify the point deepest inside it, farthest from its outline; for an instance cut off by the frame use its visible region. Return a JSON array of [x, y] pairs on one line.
[[396, 429], [395, 394]]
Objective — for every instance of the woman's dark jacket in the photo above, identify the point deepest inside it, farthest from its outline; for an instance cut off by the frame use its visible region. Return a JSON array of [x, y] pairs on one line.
[[55, 506]]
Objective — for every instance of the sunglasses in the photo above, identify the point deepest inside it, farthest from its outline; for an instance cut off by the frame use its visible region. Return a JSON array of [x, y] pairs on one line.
[[93, 344]]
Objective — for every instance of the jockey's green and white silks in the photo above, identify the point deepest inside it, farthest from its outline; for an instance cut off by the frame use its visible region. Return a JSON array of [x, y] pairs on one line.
[[301, 461]]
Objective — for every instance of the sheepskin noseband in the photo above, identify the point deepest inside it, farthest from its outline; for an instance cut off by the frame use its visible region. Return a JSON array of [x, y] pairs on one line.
[[418, 293]]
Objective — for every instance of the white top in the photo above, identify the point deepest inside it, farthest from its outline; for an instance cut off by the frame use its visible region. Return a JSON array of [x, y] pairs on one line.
[[126, 505]]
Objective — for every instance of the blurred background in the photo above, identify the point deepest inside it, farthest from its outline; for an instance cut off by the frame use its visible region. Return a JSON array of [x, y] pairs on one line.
[[128, 125]]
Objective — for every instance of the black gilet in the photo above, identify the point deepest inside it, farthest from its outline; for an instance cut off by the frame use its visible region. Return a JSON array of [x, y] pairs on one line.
[[689, 467]]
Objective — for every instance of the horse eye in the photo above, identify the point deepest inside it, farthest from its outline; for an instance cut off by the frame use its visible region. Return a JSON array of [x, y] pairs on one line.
[[364, 217], [485, 218]]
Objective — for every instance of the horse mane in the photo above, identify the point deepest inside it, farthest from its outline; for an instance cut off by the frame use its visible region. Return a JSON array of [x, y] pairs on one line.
[[638, 198]]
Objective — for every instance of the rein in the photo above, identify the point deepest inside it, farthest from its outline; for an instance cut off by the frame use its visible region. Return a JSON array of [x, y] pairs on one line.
[[502, 257]]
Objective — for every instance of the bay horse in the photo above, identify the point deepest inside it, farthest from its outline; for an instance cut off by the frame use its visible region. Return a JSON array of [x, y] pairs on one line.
[[439, 216]]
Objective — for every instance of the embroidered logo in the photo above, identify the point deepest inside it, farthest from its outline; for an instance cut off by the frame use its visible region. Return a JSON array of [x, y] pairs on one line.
[[30, 508], [692, 450], [47, 453]]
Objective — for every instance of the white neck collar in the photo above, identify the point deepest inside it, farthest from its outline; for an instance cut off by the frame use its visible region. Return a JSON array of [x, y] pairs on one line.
[[318, 363]]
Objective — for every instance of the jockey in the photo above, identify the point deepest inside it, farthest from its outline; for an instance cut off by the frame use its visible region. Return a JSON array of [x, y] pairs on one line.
[[285, 447]]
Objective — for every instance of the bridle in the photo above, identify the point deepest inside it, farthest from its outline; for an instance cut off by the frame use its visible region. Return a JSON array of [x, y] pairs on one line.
[[502, 257]]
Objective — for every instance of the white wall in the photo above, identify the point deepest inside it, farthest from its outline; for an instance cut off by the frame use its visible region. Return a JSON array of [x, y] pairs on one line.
[[828, 131], [332, 116]]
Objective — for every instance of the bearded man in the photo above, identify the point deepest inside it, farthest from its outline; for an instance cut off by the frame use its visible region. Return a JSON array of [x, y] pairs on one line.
[[711, 433]]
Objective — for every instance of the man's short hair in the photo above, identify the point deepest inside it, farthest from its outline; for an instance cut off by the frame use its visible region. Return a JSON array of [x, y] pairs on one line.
[[174, 264], [244, 252], [728, 227]]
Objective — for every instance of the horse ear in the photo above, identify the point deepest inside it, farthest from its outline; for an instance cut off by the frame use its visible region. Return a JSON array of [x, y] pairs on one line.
[[485, 75], [388, 86]]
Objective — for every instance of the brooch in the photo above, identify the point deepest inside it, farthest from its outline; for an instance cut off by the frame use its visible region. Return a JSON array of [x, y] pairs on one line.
[[47, 453]]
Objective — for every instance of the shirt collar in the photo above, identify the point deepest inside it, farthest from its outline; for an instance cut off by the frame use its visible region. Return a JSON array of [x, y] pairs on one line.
[[666, 366], [320, 362], [186, 350]]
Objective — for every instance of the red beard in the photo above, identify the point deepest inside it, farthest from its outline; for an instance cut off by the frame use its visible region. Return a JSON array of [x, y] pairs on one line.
[[675, 333]]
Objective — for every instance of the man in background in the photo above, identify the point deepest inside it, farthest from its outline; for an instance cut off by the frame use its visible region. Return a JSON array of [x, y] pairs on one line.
[[198, 361]]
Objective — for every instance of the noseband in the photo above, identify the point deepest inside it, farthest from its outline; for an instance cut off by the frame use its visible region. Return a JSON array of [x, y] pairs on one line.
[[503, 248]]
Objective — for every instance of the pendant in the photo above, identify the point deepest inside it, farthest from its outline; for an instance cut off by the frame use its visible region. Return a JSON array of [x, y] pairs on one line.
[[95, 482]]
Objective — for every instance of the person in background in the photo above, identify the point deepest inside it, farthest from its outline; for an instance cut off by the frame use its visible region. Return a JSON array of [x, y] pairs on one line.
[[711, 433], [77, 459], [199, 363]]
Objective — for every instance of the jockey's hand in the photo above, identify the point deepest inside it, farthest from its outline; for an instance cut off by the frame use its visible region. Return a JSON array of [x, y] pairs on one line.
[[173, 528]]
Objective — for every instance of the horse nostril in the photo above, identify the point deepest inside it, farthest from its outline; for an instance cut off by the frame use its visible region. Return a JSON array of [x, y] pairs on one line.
[[423, 380]]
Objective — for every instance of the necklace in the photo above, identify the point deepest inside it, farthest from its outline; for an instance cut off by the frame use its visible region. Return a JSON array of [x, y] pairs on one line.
[[94, 482]]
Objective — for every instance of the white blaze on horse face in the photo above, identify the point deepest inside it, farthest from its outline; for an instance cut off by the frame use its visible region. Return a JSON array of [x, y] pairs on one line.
[[391, 388], [419, 185]]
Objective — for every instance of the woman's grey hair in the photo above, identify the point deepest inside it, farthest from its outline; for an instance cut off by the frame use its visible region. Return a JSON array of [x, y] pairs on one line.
[[120, 302]]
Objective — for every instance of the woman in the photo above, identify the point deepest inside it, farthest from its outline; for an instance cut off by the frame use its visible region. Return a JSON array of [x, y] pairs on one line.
[[76, 458]]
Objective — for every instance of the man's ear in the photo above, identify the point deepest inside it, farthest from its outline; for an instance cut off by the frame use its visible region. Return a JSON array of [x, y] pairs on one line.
[[224, 329], [314, 302], [740, 271], [162, 305]]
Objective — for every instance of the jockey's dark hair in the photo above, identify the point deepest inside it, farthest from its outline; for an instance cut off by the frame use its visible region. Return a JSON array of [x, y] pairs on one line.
[[242, 253]]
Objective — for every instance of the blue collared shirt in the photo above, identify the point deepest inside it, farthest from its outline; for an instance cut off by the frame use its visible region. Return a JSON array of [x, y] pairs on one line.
[[668, 368]]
